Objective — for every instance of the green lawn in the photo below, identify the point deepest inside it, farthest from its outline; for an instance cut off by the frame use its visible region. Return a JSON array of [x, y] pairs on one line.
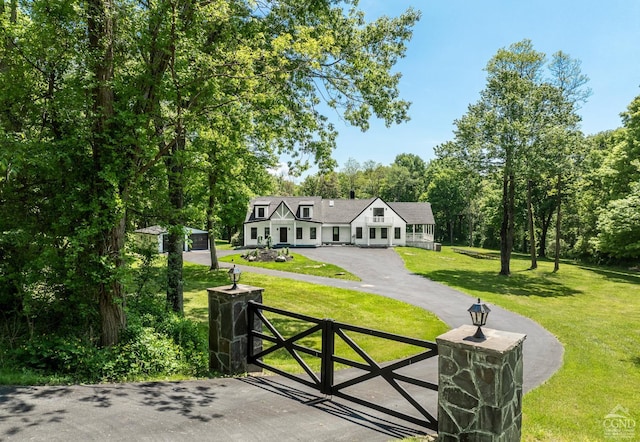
[[223, 245], [299, 264], [594, 312], [342, 305]]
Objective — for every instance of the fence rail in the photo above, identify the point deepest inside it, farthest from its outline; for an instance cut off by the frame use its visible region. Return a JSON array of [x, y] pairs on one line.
[[325, 381]]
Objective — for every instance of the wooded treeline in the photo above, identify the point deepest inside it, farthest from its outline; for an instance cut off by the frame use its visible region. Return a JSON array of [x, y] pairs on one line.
[[117, 114], [518, 169]]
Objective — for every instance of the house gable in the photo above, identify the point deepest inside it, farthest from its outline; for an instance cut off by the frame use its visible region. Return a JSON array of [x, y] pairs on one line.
[[282, 213], [375, 206]]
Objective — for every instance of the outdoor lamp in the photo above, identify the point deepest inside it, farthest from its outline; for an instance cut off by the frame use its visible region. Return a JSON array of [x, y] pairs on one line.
[[234, 277], [479, 313]]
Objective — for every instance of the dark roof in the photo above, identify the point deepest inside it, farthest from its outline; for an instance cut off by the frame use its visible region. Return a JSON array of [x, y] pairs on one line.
[[414, 213], [292, 202], [340, 211]]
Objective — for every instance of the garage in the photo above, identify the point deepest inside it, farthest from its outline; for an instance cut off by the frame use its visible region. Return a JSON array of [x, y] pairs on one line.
[[196, 239]]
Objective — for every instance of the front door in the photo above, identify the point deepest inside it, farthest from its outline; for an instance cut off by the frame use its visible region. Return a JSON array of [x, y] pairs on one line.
[[283, 235]]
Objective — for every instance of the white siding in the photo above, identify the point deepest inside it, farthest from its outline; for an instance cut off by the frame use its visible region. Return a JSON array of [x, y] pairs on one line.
[[389, 220], [344, 232]]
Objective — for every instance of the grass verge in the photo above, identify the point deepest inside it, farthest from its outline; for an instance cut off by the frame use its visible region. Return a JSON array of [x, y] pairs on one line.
[[299, 264], [342, 305], [594, 312]]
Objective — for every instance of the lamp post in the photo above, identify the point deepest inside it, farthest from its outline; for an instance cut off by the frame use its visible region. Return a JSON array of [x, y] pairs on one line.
[[234, 277], [479, 313]]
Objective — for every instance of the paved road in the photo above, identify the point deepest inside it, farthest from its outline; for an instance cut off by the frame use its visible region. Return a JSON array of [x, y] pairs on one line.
[[261, 408]]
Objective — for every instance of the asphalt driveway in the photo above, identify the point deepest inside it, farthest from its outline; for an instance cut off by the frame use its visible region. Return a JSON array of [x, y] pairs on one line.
[[382, 272], [263, 408]]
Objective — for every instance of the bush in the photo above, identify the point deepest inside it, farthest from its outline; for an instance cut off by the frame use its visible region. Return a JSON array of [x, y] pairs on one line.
[[156, 343], [237, 239]]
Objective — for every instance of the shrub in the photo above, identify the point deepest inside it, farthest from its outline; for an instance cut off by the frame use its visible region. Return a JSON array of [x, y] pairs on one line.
[[237, 239], [156, 343]]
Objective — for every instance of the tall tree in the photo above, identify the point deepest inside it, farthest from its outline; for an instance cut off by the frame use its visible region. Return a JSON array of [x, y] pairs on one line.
[[113, 91], [568, 78], [507, 128]]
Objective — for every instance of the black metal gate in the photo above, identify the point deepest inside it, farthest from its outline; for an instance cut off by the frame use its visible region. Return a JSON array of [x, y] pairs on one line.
[[324, 382]]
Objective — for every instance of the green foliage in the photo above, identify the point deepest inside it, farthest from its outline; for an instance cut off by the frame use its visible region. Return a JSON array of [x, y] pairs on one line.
[[619, 227], [156, 344]]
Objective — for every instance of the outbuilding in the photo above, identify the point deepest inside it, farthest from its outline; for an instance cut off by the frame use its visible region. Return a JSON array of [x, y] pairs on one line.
[[195, 239]]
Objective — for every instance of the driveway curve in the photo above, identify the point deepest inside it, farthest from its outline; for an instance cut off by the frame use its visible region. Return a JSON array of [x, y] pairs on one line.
[[263, 408], [382, 272]]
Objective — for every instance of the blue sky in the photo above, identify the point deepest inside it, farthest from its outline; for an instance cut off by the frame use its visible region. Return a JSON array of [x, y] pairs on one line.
[[452, 43]]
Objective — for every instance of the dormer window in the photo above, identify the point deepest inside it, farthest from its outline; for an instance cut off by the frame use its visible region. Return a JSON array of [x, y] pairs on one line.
[[306, 209], [261, 209]]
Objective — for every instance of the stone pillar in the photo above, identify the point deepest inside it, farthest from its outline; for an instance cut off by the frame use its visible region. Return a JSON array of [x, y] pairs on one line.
[[479, 385], [228, 328]]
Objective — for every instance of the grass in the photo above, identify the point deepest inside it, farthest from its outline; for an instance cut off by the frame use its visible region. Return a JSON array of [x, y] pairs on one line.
[[299, 264], [223, 245], [593, 311], [342, 305]]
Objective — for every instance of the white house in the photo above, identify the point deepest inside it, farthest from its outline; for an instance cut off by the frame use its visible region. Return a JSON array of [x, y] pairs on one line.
[[314, 221]]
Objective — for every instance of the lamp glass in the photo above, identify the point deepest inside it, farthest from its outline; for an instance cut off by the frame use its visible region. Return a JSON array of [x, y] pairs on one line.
[[479, 313], [234, 276]]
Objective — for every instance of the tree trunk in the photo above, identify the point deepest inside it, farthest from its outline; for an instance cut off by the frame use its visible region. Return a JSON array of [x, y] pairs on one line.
[[546, 222], [532, 230], [507, 225], [451, 231], [175, 170], [470, 229], [215, 265], [111, 294], [556, 264]]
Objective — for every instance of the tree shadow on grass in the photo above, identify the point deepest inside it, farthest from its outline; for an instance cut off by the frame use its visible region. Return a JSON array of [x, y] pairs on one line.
[[615, 275], [489, 281], [635, 360]]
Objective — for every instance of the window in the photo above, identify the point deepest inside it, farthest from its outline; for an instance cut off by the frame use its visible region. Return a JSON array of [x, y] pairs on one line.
[[306, 212], [254, 233], [260, 212], [383, 233], [298, 232], [397, 232], [372, 233], [336, 233], [378, 211], [267, 232], [312, 233], [359, 232]]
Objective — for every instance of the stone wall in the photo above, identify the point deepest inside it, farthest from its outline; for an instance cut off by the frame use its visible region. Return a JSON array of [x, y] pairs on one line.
[[480, 386]]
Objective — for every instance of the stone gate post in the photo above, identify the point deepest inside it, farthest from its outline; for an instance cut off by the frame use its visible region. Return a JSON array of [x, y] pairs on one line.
[[480, 386], [228, 328]]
